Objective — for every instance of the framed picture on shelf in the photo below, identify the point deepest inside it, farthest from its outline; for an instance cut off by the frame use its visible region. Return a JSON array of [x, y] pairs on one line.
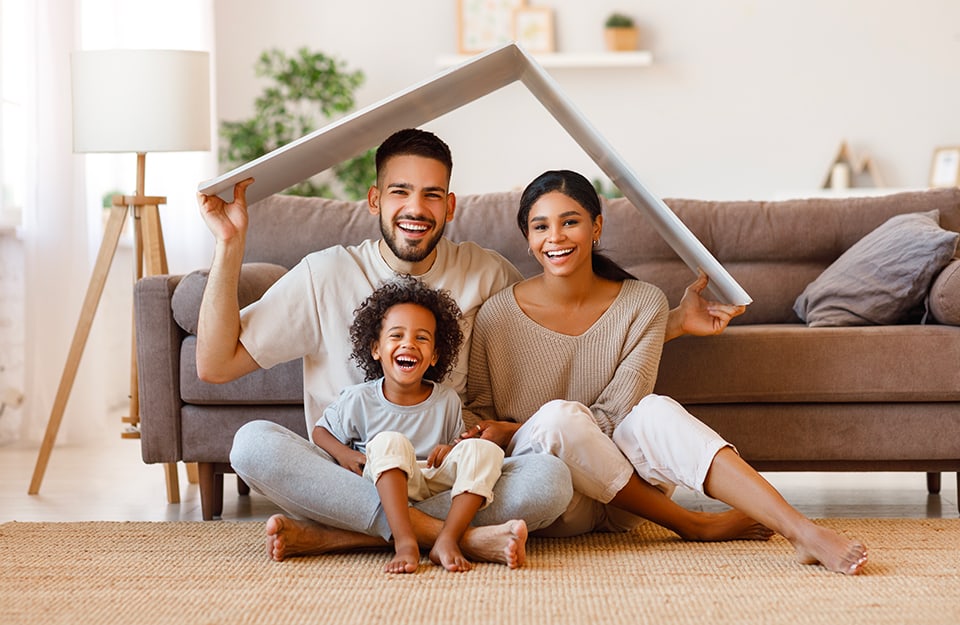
[[533, 28], [483, 24], [945, 170]]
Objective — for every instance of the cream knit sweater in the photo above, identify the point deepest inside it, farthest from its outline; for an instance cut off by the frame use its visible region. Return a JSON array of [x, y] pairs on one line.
[[516, 365]]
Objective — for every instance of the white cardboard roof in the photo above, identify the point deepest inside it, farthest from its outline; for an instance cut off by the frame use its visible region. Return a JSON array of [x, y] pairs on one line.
[[449, 90]]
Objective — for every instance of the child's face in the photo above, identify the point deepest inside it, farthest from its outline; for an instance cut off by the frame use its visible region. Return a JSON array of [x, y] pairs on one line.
[[406, 347]]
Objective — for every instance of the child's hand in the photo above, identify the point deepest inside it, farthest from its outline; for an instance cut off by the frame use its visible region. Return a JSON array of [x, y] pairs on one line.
[[352, 460], [435, 459]]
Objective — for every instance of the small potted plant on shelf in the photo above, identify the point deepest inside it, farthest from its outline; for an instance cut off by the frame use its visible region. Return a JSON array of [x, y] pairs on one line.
[[620, 33]]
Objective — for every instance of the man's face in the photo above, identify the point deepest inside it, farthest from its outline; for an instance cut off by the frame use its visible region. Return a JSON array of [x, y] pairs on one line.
[[414, 206]]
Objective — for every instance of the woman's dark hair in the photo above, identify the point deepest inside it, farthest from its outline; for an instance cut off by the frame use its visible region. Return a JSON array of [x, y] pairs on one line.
[[416, 142], [578, 189], [405, 289]]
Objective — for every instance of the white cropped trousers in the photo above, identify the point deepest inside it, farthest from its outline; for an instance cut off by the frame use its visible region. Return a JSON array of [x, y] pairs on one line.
[[472, 466], [659, 440]]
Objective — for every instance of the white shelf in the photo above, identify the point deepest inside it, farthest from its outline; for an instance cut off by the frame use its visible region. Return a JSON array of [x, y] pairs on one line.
[[639, 58]]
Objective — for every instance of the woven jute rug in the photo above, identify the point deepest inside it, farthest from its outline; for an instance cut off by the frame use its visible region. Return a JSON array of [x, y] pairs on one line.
[[217, 572]]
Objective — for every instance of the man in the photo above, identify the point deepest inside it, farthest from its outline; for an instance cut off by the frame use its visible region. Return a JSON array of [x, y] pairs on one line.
[[307, 314]]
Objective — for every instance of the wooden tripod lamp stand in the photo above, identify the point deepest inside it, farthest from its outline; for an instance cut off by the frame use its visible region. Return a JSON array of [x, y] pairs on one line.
[[130, 101]]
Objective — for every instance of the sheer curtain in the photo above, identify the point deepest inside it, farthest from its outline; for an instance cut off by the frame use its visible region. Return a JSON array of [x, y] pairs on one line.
[[63, 221]]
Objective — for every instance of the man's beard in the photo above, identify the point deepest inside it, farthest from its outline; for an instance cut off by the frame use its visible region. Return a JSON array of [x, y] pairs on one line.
[[406, 252]]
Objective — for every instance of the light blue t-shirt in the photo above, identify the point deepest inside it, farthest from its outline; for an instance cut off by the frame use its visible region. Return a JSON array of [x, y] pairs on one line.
[[362, 411]]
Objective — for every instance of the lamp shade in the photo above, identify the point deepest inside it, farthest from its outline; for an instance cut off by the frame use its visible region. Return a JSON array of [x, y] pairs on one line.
[[141, 101]]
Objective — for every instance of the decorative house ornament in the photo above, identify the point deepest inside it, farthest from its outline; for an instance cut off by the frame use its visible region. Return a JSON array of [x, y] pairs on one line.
[[845, 172], [450, 90]]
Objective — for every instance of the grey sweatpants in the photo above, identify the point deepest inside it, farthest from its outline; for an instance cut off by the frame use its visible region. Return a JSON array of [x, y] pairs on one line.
[[307, 483]]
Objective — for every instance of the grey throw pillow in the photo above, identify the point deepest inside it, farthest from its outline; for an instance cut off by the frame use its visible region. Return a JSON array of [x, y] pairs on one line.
[[883, 278], [255, 279]]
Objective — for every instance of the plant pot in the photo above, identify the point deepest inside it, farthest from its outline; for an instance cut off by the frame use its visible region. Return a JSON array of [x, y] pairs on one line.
[[621, 39]]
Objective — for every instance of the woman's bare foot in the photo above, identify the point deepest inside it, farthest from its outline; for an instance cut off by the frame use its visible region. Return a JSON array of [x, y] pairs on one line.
[[446, 553], [728, 525], [820, 545], [406, 559], [288, 537], [504, 544]]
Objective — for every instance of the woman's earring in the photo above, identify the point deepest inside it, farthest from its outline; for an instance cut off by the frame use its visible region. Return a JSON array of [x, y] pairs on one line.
[[529, 252], [596, 242]]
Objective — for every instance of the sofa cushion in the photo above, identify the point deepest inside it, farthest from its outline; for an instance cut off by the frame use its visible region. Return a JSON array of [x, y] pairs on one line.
[[281, 384], [255, 279], [883, 278], [785, 363], [944, 299]]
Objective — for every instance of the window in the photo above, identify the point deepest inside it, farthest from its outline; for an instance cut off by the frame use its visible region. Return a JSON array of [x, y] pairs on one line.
[[13, 155]]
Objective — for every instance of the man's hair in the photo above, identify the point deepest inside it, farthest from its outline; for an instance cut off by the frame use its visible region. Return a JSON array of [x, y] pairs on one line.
[[415, 142], [405, 289]]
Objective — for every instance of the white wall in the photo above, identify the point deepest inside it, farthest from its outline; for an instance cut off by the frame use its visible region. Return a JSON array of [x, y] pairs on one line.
[[745, 98]]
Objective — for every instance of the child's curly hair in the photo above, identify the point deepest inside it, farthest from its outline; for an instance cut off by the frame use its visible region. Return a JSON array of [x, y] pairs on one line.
[[368, 322]]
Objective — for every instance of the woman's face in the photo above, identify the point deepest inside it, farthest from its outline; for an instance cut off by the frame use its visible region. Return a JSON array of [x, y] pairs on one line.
[[561, 233]]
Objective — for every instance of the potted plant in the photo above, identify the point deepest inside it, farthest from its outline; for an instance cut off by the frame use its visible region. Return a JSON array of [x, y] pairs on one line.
[[620, 33], [305, 90]]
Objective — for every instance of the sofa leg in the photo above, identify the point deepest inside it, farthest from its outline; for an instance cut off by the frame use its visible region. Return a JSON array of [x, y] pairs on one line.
[[244, 489], [211, 490], [933, 483]]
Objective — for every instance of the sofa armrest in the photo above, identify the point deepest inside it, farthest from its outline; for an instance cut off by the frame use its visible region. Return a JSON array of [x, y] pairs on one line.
[[158, 339], [944, 301]]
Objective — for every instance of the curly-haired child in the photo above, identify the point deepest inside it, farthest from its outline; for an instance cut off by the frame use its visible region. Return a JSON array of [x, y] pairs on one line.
[[400, 428]]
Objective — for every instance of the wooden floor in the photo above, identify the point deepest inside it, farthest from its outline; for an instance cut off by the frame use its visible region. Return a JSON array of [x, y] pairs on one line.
[[108, 481]]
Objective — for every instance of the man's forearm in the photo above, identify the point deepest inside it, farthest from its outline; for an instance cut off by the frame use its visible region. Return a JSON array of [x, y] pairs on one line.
[[218, 330]]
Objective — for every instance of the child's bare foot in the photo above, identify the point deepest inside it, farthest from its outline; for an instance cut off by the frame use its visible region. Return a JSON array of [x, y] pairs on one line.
[[504, 544], [728, 525], [820, 545], [446, 553], [288, 537], [406, 560]]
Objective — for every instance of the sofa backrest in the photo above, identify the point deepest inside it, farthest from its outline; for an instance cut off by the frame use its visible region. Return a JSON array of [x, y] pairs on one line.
[[773, 249]]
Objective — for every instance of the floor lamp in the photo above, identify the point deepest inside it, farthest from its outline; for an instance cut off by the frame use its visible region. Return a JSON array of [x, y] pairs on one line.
[[130, 101]]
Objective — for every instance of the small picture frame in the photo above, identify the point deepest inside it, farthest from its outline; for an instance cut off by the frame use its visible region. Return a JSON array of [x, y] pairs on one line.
[[533, 29], [484, 24], [945, 170]]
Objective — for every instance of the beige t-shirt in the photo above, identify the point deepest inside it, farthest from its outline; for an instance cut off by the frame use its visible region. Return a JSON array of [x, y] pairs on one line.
[[517, 365], [308, 312]]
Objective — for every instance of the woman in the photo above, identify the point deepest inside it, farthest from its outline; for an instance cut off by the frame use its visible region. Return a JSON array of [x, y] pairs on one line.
[[588, 332]]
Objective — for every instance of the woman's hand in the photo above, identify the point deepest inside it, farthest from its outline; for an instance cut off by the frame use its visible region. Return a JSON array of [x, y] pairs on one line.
[[698, 316], [499, 432]]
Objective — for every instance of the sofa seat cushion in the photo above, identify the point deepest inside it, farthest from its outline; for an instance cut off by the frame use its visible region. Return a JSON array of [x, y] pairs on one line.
[[282, 384], [778, 363]]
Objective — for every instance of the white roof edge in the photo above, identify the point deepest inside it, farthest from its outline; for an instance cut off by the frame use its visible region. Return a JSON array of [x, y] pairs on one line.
[[445, 92]]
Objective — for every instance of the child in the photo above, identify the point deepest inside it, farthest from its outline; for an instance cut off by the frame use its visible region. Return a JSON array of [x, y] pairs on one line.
[[400, 428]]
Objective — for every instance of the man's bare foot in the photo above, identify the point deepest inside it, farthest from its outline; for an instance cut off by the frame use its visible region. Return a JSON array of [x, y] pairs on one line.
[[446, 553], [821, 545], [288, 537], [728, 525], [504, 544], [406, 558]]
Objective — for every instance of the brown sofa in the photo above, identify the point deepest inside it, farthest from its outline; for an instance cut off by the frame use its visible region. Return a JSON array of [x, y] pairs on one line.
[[790, 396]]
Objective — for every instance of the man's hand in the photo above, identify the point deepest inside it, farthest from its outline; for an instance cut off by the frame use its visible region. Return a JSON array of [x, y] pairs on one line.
[[226, 220], [698, 316]]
